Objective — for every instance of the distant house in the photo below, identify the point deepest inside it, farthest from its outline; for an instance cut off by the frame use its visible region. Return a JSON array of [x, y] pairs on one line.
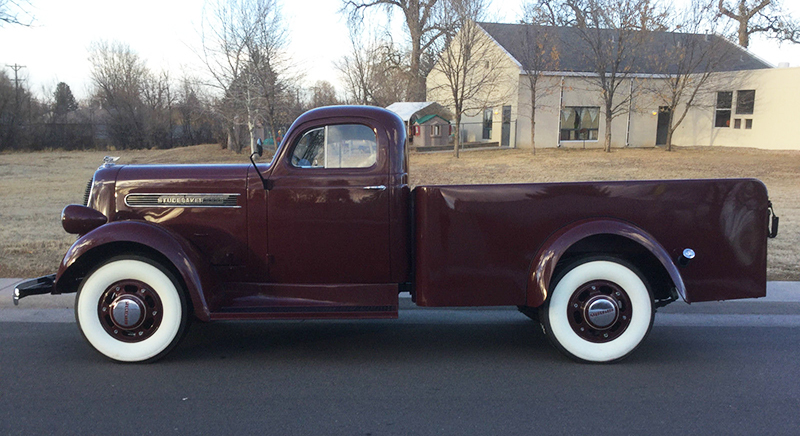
[[747, 104], [427, 123]]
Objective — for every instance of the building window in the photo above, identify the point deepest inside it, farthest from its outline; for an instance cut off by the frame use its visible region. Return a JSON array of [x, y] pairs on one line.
[[737, 123], [745, 101], [748, 123], [435, 130], [580, 123], [722, 118], [487, 123]]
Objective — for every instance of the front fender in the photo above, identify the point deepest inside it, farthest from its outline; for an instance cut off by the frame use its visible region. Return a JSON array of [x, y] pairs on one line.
[[544, 264], [120, 236]]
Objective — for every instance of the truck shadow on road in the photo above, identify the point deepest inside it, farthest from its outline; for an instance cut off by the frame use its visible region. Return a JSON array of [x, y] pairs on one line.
[[377, 340], [371, 339]]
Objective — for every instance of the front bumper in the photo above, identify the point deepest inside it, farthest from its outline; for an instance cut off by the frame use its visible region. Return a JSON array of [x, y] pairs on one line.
[[38, 286]]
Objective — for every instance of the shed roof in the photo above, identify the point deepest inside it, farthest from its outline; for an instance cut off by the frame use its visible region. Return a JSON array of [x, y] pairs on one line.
[[411, 111], [406, 109], [427, 118], [572, 52]]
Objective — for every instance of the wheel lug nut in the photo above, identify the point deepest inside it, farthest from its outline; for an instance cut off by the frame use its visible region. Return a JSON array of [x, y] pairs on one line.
[[618, 294], [582, 329], [624, 318], [104, 309], [116, 331], [575, 305], [605, 335], [141, 333], [594, 288], [154, 313]]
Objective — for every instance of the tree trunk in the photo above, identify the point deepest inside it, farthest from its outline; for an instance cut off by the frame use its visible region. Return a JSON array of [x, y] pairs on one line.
[[251, 128], [533, 128], [607, 146], [417, 82], [670, 130], [233, 139], [457, 142], [744, 36], [669, 140]]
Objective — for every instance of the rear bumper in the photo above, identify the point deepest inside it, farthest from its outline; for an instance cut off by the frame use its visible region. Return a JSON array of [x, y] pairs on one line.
[[37, 286]]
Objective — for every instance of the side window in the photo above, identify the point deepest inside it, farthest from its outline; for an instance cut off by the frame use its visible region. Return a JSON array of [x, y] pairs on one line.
[[310, 150], [336, 146]]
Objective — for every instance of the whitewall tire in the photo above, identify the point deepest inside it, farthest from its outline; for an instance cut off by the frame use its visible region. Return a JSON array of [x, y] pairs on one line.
[[600, 310], [131, 309]]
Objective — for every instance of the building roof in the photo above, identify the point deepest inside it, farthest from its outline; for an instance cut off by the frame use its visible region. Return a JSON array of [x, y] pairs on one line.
[[572, 53]]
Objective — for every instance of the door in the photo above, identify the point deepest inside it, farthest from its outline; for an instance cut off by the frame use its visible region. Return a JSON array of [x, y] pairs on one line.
[[663, 125], [328, 208], [505, 138]]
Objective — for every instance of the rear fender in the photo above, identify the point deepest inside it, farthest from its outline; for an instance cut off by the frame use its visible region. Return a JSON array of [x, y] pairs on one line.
[[125, 236], [544, 264]]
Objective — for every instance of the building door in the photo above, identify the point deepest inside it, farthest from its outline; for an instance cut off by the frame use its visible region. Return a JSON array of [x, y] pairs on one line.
[[662, 127], [505, 138]]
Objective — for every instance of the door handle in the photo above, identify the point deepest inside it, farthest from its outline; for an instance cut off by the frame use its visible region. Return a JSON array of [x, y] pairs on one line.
[[375, 188]]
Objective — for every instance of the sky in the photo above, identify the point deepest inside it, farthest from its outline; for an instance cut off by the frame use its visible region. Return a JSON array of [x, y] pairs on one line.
[[165, 33]]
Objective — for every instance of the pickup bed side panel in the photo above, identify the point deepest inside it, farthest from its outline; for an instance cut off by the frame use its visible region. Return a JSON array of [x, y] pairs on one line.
[[475, 244]]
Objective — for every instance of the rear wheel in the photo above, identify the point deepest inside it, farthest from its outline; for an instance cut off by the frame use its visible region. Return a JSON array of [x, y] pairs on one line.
[[131, 309], [599, 310]]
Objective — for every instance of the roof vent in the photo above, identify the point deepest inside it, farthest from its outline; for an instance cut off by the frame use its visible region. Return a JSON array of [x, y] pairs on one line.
[[783, 65]]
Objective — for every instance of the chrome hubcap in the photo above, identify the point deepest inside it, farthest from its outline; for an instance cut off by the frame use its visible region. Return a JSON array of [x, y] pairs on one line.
[[130, 311], [127, 312], [601, 312]]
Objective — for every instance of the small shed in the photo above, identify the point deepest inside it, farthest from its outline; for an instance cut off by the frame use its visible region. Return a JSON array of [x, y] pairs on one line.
[[427, 123], [431, 131]]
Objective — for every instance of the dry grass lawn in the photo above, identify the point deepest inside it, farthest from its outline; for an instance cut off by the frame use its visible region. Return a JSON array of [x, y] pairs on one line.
[[34, 187]]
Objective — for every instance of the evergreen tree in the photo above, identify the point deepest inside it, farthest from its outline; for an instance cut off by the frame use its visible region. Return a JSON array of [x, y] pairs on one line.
[[64, 101]]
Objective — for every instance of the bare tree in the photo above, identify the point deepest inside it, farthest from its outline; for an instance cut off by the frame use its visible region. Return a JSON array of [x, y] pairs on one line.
[[119, 75], [539, 54], [689, 60], [467, 73], [760, 16], [159, 100], [243, 42], [425, 22], [15, 12], [193, 112], [612, 33], [373, 73], [323, 94]]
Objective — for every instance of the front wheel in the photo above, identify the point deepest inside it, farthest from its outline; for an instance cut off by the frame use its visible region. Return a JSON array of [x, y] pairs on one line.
[[600, 310], [131, 309]]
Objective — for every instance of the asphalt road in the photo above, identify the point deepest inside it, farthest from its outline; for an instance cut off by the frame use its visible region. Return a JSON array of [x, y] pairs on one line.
[[713, 368]]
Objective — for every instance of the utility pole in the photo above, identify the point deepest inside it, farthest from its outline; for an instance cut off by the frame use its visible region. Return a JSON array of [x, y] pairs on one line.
[[16, 69], [11, 136]]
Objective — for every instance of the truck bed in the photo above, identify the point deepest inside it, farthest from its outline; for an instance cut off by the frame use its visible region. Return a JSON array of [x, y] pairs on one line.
[[476, 245]]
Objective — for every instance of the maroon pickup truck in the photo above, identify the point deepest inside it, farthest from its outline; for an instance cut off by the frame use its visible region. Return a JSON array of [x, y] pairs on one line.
[[331, 229]]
